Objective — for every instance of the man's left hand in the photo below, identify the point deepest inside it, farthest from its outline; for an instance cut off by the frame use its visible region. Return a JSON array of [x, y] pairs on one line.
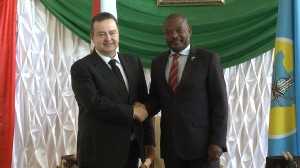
[[214, 153], [149, 150], [143, 166]]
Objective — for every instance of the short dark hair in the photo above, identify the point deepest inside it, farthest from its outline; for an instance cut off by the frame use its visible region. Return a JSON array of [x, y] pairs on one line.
[[100, 17], [175, 16]]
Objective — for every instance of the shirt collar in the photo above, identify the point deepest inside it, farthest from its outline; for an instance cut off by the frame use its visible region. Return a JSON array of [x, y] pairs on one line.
[[106, 59], [184, 52]]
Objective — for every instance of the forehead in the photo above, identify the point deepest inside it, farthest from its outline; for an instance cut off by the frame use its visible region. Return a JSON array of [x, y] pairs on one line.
[[174, 23], [105, 25]]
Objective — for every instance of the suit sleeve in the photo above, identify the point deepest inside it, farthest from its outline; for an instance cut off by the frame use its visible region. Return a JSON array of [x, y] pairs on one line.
[[153, 103], [90, 100], [218, 102], [148, 123]]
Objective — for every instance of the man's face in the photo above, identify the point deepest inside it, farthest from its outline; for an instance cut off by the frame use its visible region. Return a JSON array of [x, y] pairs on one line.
[[106, 37], [177, 33]]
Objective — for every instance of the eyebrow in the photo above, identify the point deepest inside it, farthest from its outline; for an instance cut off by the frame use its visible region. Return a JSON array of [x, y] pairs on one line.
[[176, 27], [108, 31]]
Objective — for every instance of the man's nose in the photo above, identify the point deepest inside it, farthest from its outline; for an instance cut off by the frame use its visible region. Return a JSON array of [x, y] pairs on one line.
[[108, 36], [174, 34]]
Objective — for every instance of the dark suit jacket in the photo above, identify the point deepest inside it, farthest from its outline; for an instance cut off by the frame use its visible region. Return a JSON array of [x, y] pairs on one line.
[[196, 115], [105, 114]]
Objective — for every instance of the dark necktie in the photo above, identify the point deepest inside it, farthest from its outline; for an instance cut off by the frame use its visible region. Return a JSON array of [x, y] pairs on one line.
[[118, 73], [173, 75]]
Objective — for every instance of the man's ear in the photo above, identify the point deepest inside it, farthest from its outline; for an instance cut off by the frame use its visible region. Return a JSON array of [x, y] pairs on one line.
[[92, 37], [190, 30]]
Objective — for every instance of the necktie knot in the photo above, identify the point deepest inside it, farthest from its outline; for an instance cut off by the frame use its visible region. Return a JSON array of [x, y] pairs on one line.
[[176, 56], [114, 67], [112, 61]]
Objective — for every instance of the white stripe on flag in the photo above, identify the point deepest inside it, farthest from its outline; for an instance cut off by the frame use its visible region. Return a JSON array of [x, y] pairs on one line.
[[109, 6]]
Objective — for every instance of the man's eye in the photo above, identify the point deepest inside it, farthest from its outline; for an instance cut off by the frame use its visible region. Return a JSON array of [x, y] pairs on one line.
[[167, 32], [101, 34], [179, 30], [112, 33]]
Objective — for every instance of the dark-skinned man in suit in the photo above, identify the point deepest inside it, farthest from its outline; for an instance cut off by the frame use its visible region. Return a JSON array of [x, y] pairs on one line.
[[190, 92], [111, 133]]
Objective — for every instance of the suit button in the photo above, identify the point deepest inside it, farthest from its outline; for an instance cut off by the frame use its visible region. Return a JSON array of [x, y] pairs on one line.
[[174, 102], [129, 128]]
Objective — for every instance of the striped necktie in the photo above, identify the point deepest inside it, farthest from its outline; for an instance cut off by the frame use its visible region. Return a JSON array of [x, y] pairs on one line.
[[173, 75]]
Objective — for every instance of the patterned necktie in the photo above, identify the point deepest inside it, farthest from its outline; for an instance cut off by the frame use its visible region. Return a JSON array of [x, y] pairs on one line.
[[173, 75], [118, 73]]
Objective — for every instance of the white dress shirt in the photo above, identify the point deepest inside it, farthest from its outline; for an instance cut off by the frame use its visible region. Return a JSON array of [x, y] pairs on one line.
[[181, 62], [106, 59]]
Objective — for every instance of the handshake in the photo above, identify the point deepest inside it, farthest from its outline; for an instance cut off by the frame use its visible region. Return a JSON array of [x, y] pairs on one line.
[[139, 112]]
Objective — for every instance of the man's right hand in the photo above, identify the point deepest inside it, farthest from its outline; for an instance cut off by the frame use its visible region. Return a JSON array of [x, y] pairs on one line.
[[140, 114]]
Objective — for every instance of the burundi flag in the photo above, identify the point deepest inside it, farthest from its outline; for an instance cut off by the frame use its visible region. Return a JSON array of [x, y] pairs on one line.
[[283, 113]]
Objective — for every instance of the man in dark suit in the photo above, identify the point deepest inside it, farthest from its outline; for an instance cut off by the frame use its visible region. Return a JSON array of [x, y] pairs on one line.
[[106, 84], [190, 91]]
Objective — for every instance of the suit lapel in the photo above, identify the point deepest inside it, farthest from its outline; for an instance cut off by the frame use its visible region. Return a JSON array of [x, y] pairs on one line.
[[126, 64], [188, 68], [107, 73]]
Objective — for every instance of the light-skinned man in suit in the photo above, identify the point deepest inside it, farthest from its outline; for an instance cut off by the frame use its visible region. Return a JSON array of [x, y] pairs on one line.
[[192, 99], [108, 134]]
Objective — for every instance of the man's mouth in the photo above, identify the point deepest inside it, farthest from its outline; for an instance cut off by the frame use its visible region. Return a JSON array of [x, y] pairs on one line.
[[175, 42], [108, 44]]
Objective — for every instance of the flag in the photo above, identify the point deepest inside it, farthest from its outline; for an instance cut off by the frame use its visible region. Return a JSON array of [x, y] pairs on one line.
[[105, 6], [8, 22], [96, 7], [297, 68], [283, 112]]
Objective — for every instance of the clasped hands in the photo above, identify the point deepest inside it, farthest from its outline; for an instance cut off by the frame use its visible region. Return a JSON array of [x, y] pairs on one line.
[[139, 112]]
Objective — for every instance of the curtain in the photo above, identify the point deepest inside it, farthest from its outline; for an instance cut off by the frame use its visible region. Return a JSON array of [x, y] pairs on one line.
[[7, 78], [46, 110], [248, 91], [76, 15], [238, 30]]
